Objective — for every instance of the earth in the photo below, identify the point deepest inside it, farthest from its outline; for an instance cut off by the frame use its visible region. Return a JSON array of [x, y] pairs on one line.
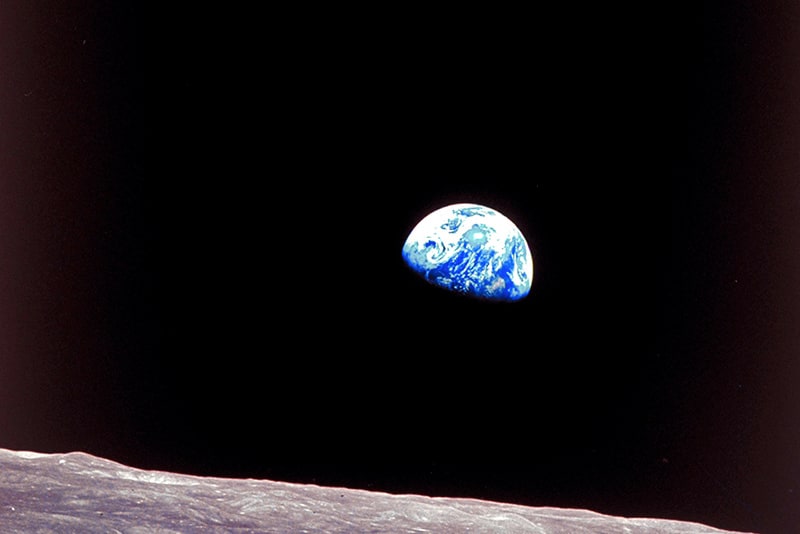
[[473, 250]]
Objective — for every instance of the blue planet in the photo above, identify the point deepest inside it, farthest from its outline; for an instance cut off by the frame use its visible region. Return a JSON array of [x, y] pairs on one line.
[[473, 250]]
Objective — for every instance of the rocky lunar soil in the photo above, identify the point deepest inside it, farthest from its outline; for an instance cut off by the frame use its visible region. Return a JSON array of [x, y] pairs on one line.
[[77, 492]]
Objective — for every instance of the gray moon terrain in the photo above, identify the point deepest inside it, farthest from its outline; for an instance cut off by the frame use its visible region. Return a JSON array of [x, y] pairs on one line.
[[78, 492]]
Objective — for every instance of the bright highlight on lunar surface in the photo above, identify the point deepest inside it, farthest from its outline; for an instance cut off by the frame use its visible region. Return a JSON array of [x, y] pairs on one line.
[[471, 249]]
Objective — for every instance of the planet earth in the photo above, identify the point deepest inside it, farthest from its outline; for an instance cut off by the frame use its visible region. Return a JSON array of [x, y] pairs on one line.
[[473, 250]]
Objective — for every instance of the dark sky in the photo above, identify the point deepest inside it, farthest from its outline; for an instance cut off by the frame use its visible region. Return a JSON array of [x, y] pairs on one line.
[[202, 212]]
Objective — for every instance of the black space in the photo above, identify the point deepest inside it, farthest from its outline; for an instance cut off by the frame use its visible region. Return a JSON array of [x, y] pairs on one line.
[[202, 217]]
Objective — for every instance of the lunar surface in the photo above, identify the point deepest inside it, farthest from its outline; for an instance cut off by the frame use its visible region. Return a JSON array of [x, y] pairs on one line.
[[473, 250], [77, 492]]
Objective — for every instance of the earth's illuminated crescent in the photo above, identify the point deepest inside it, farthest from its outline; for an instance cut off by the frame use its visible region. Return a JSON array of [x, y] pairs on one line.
[[471, 249]]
